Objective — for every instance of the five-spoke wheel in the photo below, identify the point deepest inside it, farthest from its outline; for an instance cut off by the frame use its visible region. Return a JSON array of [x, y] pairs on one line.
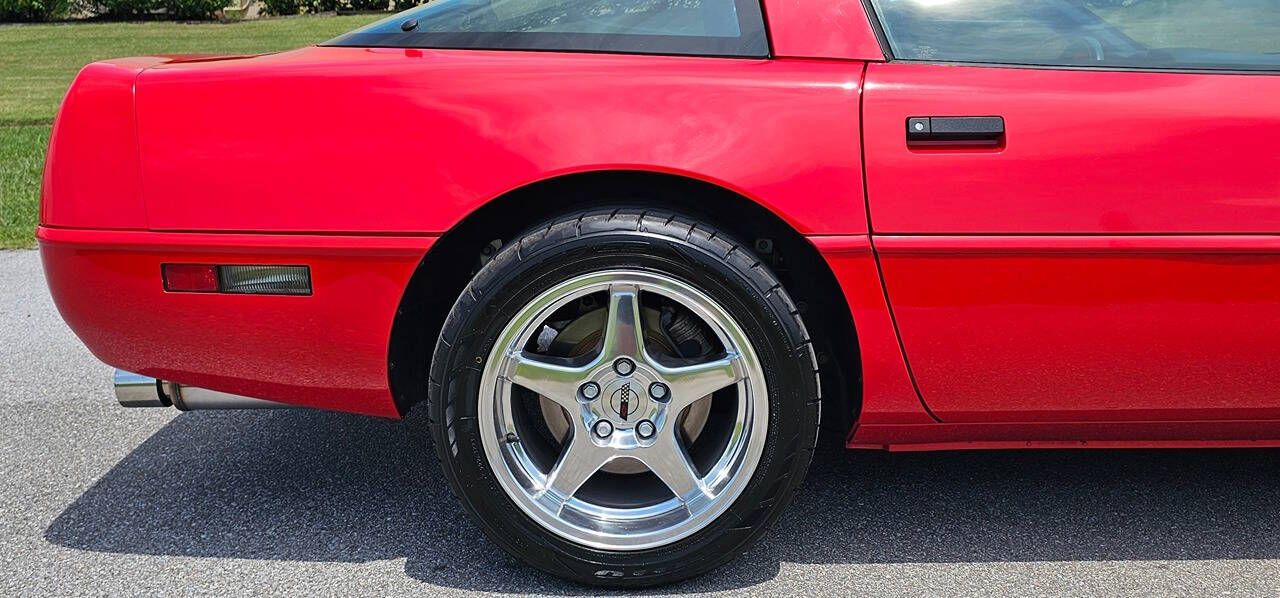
[[624, 398], [624, 401]]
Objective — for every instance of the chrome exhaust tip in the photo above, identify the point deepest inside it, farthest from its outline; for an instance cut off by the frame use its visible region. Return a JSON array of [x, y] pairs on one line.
[[136, 390]]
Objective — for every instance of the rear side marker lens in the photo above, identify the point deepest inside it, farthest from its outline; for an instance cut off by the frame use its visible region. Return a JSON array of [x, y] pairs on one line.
[[190, 278], [247, 279]]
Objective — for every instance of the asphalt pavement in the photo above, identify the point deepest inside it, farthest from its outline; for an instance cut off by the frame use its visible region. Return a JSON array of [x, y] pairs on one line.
[[99, 500]]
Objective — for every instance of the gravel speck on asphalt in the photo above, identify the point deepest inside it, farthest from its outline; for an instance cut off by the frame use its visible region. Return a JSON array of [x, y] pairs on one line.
[[100, 500]]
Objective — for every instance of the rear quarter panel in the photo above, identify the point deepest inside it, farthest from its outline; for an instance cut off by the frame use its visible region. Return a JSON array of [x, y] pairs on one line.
[[91, 175], [327, 350], [382, 140]]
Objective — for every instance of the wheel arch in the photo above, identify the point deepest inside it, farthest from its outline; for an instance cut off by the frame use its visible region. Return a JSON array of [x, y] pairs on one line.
[[455, 257]]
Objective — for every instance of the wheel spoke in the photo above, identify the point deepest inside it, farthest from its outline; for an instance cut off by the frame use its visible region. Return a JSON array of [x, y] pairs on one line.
[[668, 461], [580, 460], [624, 333], [556, 382], [596, 486], [693, 382]]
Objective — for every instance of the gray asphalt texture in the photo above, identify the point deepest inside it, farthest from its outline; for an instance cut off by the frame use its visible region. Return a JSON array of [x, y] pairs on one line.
[[99, 500]]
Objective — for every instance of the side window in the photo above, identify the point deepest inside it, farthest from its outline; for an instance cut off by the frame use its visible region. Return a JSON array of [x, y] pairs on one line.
[[701, 27], [1157, 34]]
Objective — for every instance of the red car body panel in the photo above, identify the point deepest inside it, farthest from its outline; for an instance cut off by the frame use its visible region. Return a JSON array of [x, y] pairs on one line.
[[327, 350], [1086, 152], [440, 133], [1106, 276], [96, 188], [1107, 262], [836, 29], [1059, 435], [1089, 329], [889, 396]]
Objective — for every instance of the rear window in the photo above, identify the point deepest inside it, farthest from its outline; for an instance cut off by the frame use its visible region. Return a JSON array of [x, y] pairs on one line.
[[1158, 34], [700, 27]]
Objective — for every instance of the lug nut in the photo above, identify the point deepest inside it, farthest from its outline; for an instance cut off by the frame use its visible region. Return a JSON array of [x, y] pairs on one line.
[[590, 390], [603, 428], [645, 429], [624, 366], [658, 391]]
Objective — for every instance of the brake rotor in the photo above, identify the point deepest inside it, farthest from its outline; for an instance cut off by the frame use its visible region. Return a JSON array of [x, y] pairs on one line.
[[582, 336]]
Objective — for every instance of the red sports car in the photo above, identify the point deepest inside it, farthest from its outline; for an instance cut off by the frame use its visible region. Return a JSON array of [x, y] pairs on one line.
[[628, 255]]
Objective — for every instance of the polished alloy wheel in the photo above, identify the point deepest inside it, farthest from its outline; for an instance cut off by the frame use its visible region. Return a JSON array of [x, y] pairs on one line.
[[644, 430], [624, 397]]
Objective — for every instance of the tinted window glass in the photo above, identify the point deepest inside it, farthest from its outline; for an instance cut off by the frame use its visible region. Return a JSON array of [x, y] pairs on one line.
[[706, 27], [1161, 34]]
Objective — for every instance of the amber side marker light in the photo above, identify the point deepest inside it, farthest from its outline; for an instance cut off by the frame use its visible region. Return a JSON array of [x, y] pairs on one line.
[[246, 279]]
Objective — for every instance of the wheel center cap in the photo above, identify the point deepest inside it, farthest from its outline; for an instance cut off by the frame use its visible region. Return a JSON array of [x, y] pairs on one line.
[[626, 401]]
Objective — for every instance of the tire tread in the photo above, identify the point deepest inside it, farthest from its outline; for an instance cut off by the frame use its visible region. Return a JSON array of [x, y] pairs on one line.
[[659, 224]]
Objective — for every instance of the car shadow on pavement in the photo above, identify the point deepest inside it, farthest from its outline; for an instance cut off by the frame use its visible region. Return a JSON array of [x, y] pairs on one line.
[[325, 487]]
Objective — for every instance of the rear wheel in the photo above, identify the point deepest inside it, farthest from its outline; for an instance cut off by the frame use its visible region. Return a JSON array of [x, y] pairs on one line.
[[624, 398]]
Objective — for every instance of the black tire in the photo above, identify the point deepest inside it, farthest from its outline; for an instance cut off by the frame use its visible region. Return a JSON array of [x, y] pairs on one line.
[[709, 260]]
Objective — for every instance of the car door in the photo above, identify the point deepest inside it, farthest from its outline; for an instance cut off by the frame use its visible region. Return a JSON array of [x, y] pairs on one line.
[[1076, 206]]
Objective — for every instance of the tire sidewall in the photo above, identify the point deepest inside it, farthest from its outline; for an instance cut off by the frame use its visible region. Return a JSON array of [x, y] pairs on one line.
[[516, 277]]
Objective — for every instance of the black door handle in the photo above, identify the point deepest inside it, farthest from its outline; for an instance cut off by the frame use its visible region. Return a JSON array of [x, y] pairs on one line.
[[981, 129]]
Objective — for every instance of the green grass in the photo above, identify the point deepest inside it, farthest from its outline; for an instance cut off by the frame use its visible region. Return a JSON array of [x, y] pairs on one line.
[[38, 62], [21, 161]]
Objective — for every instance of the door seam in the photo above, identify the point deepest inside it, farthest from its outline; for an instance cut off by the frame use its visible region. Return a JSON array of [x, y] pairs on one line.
[[875, 254]]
